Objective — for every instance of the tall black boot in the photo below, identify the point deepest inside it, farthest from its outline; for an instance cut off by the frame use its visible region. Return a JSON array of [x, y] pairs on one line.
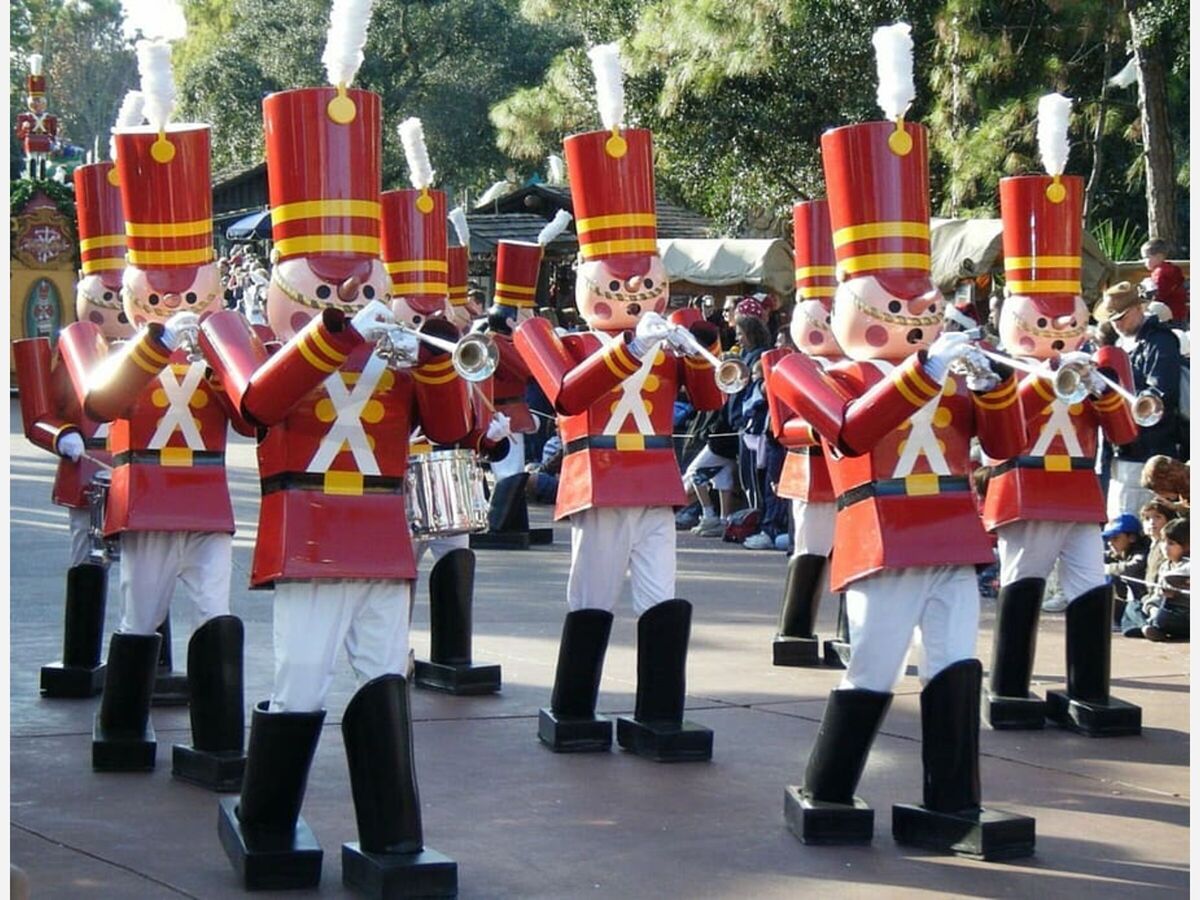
[[571, 725], [836, 651], [451, 594], [216, 759], [1009, 703], [123, 738], [508, 518], [824, 810], [270, 846], [80, 673], [1086, 705], [951, 819], [657, 729], [390, 858], [170, 687], [796, 644]]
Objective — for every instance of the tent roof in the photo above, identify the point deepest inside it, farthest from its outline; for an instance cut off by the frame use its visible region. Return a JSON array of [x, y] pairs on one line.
[[488, 231], [730, 261], [955, 241]]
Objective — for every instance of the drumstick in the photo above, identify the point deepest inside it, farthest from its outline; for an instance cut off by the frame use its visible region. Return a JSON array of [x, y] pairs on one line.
[[98, 462]]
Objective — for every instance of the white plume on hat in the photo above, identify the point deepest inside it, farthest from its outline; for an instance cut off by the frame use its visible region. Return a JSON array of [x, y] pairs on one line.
[[348, 21], [894, 63], [35, 64], [610, 87], [554, 227], [1053, 119], [130, 114], [458, 218], [158, 81], [556, 169], [412, 136]]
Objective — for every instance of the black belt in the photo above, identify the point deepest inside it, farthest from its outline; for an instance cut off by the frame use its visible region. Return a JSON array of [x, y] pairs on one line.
[[913, 486], [95, 443], [626, 441], [1049, 463], [154, 457], [315, 481], [807, 451]]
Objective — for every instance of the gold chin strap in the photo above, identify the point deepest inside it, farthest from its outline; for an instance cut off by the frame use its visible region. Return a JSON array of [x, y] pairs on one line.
[[296, 296], [893, 318], [1022, 325]]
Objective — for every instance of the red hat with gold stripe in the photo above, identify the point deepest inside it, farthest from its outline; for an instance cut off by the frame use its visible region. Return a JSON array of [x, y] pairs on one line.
[[323, 176], [414, 247], [815, 279], [35, 83], [101, 221], [456, 275], [518, 264], [612, 189], [166, 195]]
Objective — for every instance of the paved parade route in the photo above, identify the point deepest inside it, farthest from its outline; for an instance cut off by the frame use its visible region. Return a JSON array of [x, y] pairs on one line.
[[1112, 815]]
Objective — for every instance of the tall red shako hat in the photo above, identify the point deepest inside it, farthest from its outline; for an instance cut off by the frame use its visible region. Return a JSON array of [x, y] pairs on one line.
[[414, 230], [101, 222], [815, 261], [165, 178], [611, 173], [1043, 220], [518, 264], [35, 82], [458, 257], [877, 178]]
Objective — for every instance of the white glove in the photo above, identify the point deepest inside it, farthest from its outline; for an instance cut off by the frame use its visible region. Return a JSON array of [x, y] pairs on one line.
[[1093, 381], [373, 320], [980, 376], [651, 330], [404, 344], [70, 446], [178, 327], [499, 428], [948, 347]]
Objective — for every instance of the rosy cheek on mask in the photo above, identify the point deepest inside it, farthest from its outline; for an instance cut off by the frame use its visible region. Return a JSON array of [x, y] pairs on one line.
[[602, 311], [816, 338], [299, 320], [660, 305], [97, 317], [1027, 343], [876, 335]]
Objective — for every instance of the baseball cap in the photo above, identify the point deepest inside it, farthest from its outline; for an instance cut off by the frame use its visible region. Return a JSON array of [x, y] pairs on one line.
[[1126, 523]]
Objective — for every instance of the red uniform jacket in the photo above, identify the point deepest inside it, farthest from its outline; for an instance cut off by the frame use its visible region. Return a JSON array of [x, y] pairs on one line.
[[50, 409], [333, 446], [615, 415], [37, 133], [898, 450], [509, 383], [1054, 479], [805, 475], [167, 434]]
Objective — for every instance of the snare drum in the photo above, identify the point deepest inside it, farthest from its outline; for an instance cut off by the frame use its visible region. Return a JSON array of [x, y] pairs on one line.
[[446, 494], [103, 550]]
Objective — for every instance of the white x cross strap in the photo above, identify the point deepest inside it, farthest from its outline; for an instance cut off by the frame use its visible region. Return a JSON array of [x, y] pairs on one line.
[[1059, 424], [348, 405], [179, 411], [920, 440], [631, 403]]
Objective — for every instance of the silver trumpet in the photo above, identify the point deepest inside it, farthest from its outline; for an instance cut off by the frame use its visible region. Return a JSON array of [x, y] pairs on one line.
[[189, 342], [474, 356], [1071, 386], [731, 374]]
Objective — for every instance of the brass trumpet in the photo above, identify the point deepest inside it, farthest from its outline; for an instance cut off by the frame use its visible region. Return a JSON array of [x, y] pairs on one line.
[[731, 375], [474, 356]]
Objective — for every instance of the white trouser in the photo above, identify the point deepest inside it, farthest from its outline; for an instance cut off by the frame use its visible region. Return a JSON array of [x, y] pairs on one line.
[[607, 542], [439, 546], [1030, 549], [941, 603], [80, 523], [151, 563], [512, 463], [1125, 491], [314, 618], [813, 529]]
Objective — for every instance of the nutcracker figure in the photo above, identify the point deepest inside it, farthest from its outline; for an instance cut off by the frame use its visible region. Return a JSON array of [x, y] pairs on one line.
[[335, 412], [414, 248], [614, 388], [805, 476], [457, 260], [1044, 503], [169, 499], [37, 130], [896, 425], [54, 420]]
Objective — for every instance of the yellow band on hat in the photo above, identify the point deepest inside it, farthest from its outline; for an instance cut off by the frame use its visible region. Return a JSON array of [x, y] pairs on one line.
[[501, 287], [197, 257], [1044, 287], [856, 264], [869, 230], [101, 240], [328, 243], [168, 229], [1043, 262], [811, 292], [618, 220], [104, 264], [418, 265], [419, 287], [608, 248], [814, 271], [518, 303], [312, 209]]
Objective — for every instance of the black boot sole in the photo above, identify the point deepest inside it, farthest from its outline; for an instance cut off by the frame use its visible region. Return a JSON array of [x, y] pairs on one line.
[[1014, 713], [269, 862], [571, 735], [829, 824], [1116, 718], [426, 873], [796, 651], [836, 653], [60, 681], [986, 834], [116, 752], [460, 680], [216, 770], [665, 741]]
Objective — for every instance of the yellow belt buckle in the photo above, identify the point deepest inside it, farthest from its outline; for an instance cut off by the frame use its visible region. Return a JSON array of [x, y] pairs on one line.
[[348, 484], [1056, 463], [634, 441], [921, 485], [175, 456]]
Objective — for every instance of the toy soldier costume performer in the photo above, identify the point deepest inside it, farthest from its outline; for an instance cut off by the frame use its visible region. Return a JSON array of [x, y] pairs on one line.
[[614, 393], [1045, 504], [37, 130], [335, 419], [896, 425], [169, 499], [805, 475]]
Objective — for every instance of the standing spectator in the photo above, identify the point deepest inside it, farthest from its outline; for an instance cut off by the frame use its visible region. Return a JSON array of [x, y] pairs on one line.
[[1157, 363], [1166, 279], [1169, 479]]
